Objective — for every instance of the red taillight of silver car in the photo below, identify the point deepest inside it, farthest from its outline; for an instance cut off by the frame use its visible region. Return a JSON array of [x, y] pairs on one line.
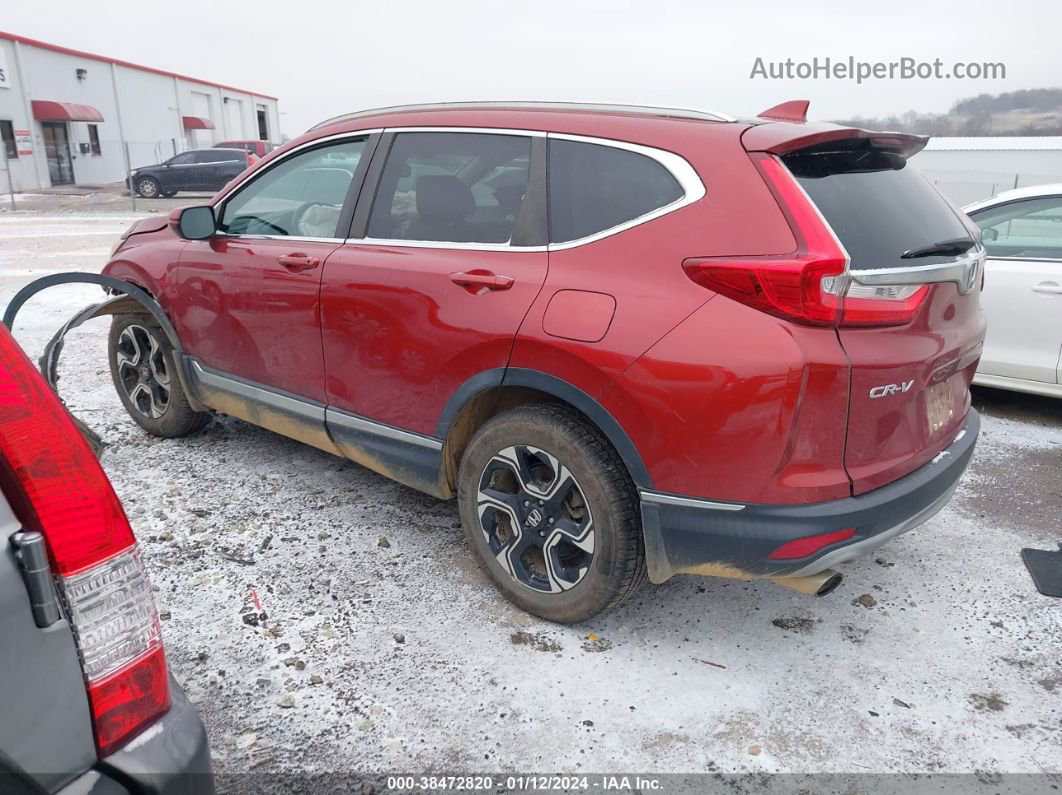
[[51, 476], [811, 285]]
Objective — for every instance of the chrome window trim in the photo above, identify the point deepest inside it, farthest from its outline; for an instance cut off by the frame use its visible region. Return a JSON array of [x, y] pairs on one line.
[[686, 175], [663, 498], [219, 207], [441, 244], [689, 181]]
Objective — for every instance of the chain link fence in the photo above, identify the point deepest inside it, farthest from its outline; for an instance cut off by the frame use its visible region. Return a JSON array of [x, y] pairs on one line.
[[143, 171]]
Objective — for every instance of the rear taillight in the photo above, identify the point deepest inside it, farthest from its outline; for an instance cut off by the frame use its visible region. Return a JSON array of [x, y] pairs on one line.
[[55, 482], [812, 285]]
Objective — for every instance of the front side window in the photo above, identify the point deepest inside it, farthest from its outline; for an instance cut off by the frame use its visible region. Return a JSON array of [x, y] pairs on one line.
[[594, 187], [301, 196], [1031, 229], [451, 187], [183, 159], [7, 133]]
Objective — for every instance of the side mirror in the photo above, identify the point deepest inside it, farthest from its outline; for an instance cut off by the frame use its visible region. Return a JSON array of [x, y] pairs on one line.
[[989, 234], [196, 223]]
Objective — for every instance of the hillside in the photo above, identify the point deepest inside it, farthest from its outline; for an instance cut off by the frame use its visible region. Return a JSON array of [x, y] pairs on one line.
[[1026, 112]]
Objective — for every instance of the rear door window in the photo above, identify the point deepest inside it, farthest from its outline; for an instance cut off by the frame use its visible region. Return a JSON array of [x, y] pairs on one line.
[[1030, 229], [879, 206], [451, 187], [594, 187]]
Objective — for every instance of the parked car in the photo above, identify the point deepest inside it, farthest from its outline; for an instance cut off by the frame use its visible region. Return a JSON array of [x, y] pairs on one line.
[[259, 148], [204, 170], [1022, 232], [697, 357], [88, 703]]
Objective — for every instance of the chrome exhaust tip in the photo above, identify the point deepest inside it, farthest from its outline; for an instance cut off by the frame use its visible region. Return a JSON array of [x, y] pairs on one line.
[[814, 584]]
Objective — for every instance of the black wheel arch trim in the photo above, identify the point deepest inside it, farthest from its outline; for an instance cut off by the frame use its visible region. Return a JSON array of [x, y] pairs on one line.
[[559, 388], [116, 285]]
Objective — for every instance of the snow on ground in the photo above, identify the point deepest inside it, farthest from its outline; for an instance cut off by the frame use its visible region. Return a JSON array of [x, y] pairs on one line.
[[936, 655]]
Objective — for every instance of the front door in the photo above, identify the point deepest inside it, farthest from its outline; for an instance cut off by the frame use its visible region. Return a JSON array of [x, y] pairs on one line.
[[436, 290], [57, 150], [247, 300], [1023, 288]]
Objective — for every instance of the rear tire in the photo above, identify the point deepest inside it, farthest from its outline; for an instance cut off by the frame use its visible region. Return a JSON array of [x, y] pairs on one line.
[[551, 513], [144, 372]]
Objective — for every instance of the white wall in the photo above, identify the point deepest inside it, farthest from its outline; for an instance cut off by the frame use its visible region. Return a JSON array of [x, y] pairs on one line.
[[151, 107]]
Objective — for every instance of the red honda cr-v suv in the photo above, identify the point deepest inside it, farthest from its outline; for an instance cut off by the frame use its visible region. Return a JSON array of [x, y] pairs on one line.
[[629, 340]]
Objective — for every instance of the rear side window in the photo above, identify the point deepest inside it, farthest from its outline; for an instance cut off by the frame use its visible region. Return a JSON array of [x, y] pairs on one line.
[[879, 205], [451, 187], [219, 156], [1030, 229], [593, 187]]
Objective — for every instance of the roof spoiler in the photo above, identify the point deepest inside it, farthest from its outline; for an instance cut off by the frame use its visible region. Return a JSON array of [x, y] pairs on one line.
[[785, 138]]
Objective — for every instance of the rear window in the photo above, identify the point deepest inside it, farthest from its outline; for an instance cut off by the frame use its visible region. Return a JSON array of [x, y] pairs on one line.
[[878, 205]]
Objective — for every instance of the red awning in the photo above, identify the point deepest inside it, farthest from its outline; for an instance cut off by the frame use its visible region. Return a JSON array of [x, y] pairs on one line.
[[197, 123], [64, 111]]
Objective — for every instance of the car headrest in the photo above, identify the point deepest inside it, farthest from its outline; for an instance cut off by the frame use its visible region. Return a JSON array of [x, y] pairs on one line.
[[326, 185], [443, 197]]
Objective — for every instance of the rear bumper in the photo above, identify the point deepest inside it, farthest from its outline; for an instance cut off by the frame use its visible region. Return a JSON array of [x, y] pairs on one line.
[[685, 535], [171, 757]]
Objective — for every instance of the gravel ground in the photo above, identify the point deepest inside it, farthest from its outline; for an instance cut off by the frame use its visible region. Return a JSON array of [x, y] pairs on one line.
[[325, 619]]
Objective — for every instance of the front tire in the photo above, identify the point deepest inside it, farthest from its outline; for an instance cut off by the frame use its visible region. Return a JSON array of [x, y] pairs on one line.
[[144, 372], [551, 513], [148, 187]]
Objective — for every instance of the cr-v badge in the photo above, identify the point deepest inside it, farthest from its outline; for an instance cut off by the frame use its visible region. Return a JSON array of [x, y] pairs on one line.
[[891, 389]]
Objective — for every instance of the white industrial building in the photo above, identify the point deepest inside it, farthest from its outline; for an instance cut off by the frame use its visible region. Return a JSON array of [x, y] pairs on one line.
[[970, 169], [71, 117]]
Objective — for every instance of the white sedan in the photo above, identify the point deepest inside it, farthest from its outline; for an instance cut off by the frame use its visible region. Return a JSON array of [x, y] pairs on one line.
[[1023, 289]]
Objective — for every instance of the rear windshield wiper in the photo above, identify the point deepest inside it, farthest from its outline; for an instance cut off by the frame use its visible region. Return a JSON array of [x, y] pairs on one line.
[[959, 245]]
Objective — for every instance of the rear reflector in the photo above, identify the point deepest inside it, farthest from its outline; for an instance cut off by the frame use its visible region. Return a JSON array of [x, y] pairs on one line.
[[802, 547], [812, 285], [57, 487]]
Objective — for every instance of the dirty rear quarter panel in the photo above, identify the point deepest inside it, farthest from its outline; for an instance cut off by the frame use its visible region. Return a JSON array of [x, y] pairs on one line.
[[737, 405]]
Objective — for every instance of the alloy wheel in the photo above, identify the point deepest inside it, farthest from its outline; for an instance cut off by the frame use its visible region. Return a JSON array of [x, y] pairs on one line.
[[147, 188], [143, 371], [535, 519]]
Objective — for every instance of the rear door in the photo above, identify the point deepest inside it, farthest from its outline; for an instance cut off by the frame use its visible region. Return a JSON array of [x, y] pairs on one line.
[[1023, 288], [438, 275], [247, 300], [909, 383]]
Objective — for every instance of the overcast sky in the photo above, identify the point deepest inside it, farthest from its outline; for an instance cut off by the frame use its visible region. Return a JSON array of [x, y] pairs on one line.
[[326, 58]]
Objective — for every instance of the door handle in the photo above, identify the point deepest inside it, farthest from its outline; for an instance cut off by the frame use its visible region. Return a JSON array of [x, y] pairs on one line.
[[1048, 287], [481, 278], [296, 263]]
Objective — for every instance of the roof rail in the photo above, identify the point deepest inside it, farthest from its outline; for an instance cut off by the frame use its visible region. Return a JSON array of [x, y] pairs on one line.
[[640, 110]]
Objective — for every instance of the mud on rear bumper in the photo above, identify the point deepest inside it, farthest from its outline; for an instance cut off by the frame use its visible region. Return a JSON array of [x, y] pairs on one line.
[[688, 535]]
